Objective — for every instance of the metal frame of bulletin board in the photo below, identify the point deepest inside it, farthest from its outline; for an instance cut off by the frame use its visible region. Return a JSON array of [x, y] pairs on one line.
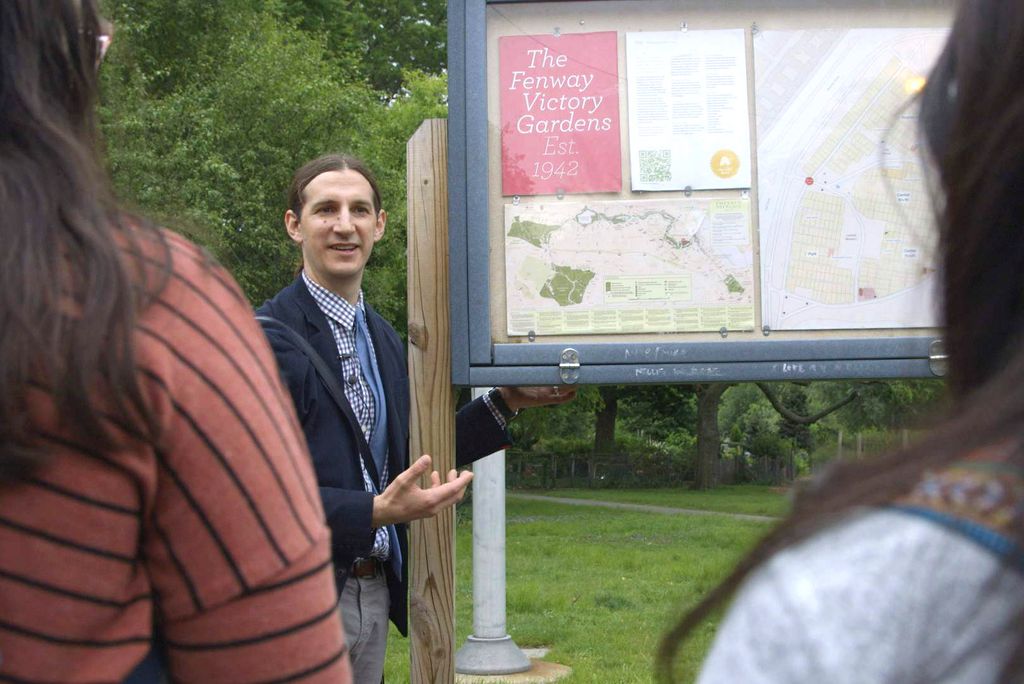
[[491, 347]]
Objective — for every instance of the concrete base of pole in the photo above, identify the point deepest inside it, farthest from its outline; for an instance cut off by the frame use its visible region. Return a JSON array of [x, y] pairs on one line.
[[481, 656], [540, 672]]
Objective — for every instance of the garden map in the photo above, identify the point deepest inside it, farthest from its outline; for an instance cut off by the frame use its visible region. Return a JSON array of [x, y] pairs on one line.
[[631, 266], [845, 220]]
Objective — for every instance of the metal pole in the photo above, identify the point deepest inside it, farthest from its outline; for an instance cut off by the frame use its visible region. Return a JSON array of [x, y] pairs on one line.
[[489, 650]]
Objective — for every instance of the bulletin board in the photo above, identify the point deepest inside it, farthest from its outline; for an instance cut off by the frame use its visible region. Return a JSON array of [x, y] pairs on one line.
[[646, 191]]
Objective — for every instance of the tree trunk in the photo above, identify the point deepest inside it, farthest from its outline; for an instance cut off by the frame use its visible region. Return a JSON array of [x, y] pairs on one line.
[[708, 441], [604, 421]]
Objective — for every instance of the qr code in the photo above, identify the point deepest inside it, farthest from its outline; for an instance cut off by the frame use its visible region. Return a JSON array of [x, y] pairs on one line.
[[655, 166]]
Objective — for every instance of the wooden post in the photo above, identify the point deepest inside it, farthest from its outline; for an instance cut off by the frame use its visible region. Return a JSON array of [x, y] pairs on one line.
[[432, 419]]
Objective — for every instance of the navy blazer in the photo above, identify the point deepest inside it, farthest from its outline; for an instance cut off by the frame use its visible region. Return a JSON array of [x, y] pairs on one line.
[[335, 439]]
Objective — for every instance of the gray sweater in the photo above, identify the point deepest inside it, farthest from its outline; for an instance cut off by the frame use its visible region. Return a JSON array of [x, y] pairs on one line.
[[882, 597]]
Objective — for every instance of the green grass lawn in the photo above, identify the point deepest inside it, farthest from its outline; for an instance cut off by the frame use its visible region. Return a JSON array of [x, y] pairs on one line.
[[749, 499], [599, 586]]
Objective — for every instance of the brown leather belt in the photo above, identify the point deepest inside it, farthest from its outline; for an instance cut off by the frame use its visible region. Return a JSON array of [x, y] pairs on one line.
[[365, 568]]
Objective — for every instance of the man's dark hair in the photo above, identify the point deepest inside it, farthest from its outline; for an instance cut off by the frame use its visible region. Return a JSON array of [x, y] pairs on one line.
[[329, 162]]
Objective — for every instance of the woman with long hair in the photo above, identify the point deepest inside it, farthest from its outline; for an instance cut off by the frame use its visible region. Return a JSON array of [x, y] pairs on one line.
[[158, 511], [908, 567]]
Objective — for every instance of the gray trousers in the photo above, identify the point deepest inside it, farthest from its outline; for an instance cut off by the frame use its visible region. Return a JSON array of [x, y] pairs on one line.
[[364, 605]]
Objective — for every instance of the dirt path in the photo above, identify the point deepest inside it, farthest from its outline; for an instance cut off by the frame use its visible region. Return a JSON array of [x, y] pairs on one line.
[[643, 508]]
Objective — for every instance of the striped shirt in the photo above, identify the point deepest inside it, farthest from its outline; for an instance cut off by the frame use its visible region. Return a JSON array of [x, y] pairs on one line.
[[341, 316], [217, 533]]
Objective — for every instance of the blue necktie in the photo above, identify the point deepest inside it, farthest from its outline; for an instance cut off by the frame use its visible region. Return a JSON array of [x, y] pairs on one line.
[[378, 439], [368, 362]]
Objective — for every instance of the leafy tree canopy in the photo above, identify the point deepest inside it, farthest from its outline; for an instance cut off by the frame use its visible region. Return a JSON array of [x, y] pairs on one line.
[[208, 108], [386, 38]]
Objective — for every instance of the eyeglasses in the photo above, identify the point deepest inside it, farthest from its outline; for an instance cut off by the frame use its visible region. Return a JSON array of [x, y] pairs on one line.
[[103, 40], [102, 45]]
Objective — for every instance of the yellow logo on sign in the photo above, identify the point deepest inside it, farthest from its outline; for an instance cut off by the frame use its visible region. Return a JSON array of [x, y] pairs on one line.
[[725, 163]]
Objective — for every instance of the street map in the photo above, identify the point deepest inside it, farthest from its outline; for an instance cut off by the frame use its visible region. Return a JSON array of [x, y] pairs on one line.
[[632, 266], [846, 230]]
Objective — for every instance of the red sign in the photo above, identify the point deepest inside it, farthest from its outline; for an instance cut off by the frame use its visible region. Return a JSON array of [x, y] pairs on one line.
[[560, 114]]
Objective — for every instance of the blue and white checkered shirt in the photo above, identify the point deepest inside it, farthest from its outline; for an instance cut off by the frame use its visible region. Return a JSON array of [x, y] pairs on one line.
[[341, 316]]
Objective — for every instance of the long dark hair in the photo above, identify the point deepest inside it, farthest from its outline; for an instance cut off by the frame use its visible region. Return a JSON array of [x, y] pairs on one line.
[[72, 274], [972, 117]]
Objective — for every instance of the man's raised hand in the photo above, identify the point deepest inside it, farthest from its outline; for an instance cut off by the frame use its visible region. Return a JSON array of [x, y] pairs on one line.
[[518, 398], [404, 500]]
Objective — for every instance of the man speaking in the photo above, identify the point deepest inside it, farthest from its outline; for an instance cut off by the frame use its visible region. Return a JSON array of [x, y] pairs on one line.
[[359, 436]]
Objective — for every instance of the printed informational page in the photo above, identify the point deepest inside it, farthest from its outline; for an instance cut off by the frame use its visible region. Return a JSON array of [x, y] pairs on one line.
[[846, 230], [559, 114], [689, 123], [630, 266]]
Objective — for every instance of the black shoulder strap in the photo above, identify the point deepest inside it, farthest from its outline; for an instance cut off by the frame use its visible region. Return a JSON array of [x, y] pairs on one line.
[[306, 348], [330, 382]]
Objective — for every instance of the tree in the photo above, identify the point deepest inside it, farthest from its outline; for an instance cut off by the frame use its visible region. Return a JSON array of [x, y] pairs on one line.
[[385, 39], [205, 132], [570, 424], [708, 437], [604, 420], [207, 140], [662, 412], [708, 440], [384, 147], [883, 404], [796, 422]]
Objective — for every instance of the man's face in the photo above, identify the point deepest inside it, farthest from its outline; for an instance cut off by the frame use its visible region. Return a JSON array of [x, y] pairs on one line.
[[337, 230]]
